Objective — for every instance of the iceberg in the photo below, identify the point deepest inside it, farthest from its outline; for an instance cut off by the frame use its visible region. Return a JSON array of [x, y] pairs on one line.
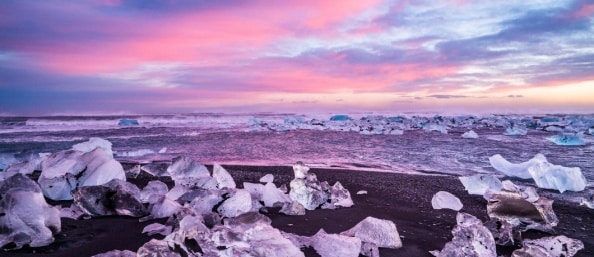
[[382, 233], [547, 175], [446, 200], [549, 247], [128, 122], [519, 170], [223, 178], [471, 238], [26, 217], [136, 153], [470, 134], [479, 184], [567, 140], [334, 245]]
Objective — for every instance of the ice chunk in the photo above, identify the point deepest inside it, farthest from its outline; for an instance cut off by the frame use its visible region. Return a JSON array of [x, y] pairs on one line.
[[156, 248], [591, 131], [308, 191], [567, 140], [519, 170], [128, 122], [101, 168], [115, 198], [479, 184], [382, 233], [254, 189], [164, 207], [369, 250], [223, 178], [72, 212], [519, 209], [470, 134], [268, 178], [26, 217], [339, 197], [515, 131], [93, 143], [157, 169], [205, 201], [547, 175], [362, 192], [153, 190], [28, 166], [436, 127], [136, 153], [184, 169], [7, 159], [116, 253], [59, 172], [334, 245], [239, 203], [272, 195], [292, 208], [300, 170], [549, 247], [446, 200], [503, 232], [157, 228], [471, 238], [340, 117], [163, 150]]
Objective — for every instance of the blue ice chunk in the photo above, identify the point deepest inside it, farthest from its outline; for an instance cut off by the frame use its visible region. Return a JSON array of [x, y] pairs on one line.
[[340, 117], [567, 140], [128, 122], [396, 119]]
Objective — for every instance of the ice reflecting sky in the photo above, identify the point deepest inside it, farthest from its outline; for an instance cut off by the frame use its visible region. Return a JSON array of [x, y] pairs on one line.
[[295, 55]]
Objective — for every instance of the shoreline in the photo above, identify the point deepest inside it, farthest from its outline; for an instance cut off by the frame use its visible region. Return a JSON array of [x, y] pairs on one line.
[[402, 198]]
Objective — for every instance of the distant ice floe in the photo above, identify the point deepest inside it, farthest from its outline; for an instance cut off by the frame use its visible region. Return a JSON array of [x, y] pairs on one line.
[[128, 122], [470, 134], [567, 140]]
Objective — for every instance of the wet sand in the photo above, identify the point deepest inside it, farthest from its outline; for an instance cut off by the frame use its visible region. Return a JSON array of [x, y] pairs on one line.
[[404, 199]]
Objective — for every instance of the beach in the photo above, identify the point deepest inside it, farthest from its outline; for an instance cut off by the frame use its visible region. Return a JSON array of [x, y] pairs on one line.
[[404, 199]]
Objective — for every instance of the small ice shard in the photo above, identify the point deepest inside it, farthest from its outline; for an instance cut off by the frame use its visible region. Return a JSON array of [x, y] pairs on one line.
[[272, 195], [382, 233], [156, 248], [163, 150], [164, 207], [93, 143], [339, 197], [519, 170], [308, 191], [268, 178], [445, 200], [184, 168], [479, 184], [114, 198], [547, 175], [72, 212], [334, 245], [26, 217], [153, 189], [292, 208], [101, 168], [369, 250], [223, 178], [239, 203], [128, 122], [471, 238], [515, 131], [521, 211], [58, 174], [503, 232], [470, 134], [361, 192], [567, 140], [116, 253], [157, 228], [553, 246], [300, 170]]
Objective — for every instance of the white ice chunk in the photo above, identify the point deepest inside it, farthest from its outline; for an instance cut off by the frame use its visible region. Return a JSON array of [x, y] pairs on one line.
[[164, 207], [268, 178], [239, 203], [471, 238], [362, 192], [479, 184], [470, 134], [184, 168], [157, 228], [163, 150], [557, 177], [300, 170], [382, 233], [446, 200], [549, 247], [271, 195], [519, 170], [339, 197], [515, 131], [101, 168], [334, 245], [116, 253], [136, 153], [567, 140], [59, 172], [93, 143], [153, 189], [309, 192], [436, 127], [156, 248], [72, 212], [223, 178]]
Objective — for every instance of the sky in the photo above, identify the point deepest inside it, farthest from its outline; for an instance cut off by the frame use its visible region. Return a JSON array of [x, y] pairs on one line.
[[117, 56]]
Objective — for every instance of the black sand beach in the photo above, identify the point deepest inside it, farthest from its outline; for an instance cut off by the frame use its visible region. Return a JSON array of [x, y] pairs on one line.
[[404, 199]]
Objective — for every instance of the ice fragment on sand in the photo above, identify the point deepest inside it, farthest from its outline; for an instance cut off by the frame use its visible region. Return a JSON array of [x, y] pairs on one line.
[[94, 142], [239, 203], [292, 208], [334, 245], [339, 197], [436, 127], [547, 175], [223, 178], [184, 168], [153, 189], [114, 198], [156, 248], [361, 192], [309, 192], [72, 212], [157, 169], [101, 168], [470, 134], [519, 170], [503, 232], [272, 195], [27, 218], [157, 228], [549, 247], [479, 184], [300, 170], [382, 233], [567, 140], [446, 200], [268, 178], [116, 253], [205, 201], [471, 238]]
